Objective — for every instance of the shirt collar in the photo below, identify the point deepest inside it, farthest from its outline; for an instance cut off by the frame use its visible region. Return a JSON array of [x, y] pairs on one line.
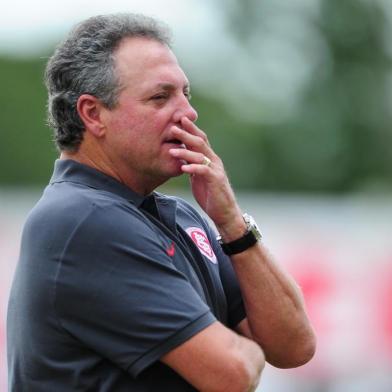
[[68, 170]]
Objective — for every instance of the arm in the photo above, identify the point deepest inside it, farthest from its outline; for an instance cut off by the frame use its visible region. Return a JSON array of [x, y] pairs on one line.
[[225, 360], [276, 317], [287, 337], [271, 294]]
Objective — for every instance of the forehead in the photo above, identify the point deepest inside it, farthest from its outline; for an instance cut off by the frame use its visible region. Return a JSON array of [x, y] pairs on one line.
[[144, 62]]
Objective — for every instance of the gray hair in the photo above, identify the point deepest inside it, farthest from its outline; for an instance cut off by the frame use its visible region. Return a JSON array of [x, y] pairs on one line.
[[84, 64]]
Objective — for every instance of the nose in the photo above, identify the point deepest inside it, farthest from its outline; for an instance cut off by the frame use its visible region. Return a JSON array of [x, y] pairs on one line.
[[192, 114], [185, 109]]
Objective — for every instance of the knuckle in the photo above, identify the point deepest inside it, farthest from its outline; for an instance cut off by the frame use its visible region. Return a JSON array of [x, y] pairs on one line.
[[199, 142], [203, 135], [217, 160], [220, 176]]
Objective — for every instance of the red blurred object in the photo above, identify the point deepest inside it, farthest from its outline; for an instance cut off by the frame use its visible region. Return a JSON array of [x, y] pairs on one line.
[[383, 306], [317, 280]]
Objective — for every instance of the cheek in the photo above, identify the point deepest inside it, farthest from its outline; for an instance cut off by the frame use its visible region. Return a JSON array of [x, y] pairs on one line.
[[149, 129], [123, 122], [139, 129], [160, 122]]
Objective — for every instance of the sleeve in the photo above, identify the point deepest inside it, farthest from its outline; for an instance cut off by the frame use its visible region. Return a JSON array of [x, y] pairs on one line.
[[118, 293], [231, 287], [236, 309]]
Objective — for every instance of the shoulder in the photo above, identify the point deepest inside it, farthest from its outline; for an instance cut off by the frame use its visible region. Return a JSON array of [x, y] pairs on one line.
[[62, 203], [80, 214]]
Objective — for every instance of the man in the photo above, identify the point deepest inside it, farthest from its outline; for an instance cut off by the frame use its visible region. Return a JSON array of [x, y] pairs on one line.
[[118, 287]]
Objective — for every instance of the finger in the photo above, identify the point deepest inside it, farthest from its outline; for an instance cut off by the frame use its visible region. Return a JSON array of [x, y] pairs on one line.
[[187, 155], [197, 169], [192, 142], [192, 128]]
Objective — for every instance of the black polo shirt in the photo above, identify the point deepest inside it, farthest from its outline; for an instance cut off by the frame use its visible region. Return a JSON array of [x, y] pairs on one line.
[[107, 283]]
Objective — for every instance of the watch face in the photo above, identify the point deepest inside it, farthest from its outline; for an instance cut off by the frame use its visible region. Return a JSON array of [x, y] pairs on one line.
[[248, 219], [252, 226]]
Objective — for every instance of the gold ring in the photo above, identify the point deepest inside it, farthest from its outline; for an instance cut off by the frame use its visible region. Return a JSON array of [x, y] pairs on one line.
[[206, 161]]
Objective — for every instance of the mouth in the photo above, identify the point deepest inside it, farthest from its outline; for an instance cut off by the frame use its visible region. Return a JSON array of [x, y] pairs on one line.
[[173, 141]]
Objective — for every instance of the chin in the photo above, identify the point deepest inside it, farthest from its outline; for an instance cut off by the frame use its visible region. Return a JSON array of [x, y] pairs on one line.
[[167, 170], [175, 173], [176, 168]]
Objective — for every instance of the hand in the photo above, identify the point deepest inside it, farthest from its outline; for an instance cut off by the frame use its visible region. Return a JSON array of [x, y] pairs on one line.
[[210, 185]]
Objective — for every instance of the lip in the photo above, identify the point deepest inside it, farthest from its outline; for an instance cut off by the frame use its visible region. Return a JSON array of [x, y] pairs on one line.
[[173, 142], [174, 145]]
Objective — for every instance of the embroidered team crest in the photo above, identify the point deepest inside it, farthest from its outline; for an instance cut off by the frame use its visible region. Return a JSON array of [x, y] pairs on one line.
[[200, 238]]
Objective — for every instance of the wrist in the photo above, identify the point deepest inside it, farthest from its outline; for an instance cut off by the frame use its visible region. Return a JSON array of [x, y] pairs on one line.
[[240, 243], [233, 229]]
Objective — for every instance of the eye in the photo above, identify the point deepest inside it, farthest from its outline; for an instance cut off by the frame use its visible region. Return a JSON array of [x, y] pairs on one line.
[[188, 95], [160, 97]]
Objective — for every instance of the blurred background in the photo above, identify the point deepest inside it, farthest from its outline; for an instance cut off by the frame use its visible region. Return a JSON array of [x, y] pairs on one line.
[[296, 97]]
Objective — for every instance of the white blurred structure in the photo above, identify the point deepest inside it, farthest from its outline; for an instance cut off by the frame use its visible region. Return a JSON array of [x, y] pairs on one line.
[[340, 252]]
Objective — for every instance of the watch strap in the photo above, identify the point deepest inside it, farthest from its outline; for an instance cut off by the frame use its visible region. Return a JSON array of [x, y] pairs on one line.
[[239, 245]]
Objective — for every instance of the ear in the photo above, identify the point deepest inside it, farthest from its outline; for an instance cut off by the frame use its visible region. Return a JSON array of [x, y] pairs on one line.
[[90, 110]]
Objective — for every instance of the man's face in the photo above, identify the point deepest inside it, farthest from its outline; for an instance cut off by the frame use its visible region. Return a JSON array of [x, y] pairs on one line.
[[154, 98]]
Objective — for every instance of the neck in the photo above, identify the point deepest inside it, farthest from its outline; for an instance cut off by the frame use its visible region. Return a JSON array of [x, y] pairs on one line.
[[87, 160], [143, 186]]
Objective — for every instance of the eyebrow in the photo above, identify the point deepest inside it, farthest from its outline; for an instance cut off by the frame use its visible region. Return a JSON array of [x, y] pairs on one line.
[[171, 87]]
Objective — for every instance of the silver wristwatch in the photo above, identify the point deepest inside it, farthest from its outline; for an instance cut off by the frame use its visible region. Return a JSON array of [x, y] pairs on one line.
[[251, 236]]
